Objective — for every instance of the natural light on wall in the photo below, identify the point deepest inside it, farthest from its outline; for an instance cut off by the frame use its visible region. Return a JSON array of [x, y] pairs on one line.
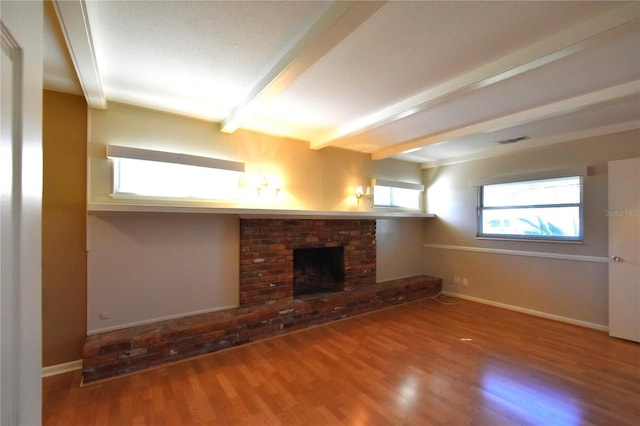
[[157, 174], [388, 193]]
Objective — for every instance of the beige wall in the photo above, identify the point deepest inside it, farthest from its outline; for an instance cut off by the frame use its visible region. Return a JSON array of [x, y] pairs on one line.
[[322, 180], [64, 259], [571, 289], [134, 272], [399, 251], [142, 128], [312, 180], [149, 267]]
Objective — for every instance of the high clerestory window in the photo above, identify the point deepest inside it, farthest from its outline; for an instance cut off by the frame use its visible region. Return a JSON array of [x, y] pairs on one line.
[[141, 173], [540, 209], [387, 193]]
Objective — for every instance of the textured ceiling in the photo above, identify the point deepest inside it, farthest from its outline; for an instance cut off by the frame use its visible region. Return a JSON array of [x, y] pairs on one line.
[[429, 82]]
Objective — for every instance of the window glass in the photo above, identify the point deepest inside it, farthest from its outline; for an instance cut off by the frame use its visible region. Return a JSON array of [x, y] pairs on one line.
[[390, 196], [381, 195], [549, 209], [170, 180]]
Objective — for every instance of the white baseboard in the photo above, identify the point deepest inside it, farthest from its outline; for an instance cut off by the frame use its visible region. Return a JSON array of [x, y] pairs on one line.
[[52, 370], [533, 312]]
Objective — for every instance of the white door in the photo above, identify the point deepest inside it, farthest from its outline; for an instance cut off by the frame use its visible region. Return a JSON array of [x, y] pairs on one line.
[[624, 249], [20, 213]]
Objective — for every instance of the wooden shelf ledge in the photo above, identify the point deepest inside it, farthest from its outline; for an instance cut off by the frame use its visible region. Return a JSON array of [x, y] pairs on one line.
[[104, 209]]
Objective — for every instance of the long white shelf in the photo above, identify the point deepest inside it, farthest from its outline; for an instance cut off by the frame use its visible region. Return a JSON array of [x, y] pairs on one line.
[[103, 209]]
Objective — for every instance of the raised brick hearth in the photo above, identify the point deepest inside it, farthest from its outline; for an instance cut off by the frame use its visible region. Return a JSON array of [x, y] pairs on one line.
[[267, 306]]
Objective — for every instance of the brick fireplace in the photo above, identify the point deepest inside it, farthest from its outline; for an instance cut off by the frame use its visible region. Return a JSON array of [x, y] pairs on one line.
[[267, 254], [267, 303]]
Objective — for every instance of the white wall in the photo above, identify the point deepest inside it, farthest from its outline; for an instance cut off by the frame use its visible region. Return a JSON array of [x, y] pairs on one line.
[[573, 288]]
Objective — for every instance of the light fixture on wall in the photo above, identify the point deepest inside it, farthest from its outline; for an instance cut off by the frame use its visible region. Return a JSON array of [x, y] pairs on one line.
[[363, 193], [269, 187]]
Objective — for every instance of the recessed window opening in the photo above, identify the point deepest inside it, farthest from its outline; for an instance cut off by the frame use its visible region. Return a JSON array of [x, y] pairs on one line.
[[546, 209], [397, 194], [142, 173]]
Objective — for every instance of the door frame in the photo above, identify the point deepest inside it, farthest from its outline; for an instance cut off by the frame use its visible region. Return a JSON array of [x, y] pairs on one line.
[[21, 207]]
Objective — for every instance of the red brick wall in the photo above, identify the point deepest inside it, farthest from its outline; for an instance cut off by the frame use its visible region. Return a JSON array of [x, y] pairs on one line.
[[266, 253]]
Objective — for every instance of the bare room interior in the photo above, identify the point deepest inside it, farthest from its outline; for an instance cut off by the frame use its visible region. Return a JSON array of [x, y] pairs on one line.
[[320, 213]]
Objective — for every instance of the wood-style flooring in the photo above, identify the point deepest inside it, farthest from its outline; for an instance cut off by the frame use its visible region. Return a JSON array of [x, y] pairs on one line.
[[422, 363]]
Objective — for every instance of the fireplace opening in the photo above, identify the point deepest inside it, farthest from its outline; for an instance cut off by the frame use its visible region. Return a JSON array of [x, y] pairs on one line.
[[318, 270]]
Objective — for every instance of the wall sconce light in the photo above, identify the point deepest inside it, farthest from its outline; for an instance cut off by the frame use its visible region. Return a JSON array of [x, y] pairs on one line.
[[268, 187], [361, 192]]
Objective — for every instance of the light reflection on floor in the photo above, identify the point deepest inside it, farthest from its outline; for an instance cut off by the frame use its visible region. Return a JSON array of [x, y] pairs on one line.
[[407, 391], [526, 396]]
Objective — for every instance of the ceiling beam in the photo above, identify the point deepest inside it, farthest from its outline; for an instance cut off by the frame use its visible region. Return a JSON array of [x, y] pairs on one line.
[[74, 23], [340, 20], [534, 114], [500, 150], [536, 55]]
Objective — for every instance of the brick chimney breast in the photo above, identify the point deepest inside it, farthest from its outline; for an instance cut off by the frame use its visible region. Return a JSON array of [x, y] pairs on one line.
[[266, 254]]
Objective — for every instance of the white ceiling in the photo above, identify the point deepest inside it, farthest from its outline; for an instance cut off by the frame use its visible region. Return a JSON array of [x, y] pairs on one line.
[[428, 82]]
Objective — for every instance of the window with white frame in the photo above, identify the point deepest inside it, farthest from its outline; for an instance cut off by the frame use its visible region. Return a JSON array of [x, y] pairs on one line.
[[405, 195], [155, 174], [542, 209]]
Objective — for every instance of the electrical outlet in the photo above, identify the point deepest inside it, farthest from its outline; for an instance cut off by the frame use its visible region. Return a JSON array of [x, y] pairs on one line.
[[105, 315], [456, 280], [465, 282]]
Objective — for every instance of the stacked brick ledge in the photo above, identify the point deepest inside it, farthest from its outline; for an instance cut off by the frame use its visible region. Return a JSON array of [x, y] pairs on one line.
[[124, 351]]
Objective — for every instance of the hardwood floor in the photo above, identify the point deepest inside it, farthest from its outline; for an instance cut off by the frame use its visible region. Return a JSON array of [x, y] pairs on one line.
[[421, 363]]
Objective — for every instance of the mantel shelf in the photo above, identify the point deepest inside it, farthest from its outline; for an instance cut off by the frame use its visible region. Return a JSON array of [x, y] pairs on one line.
[[103, 209]]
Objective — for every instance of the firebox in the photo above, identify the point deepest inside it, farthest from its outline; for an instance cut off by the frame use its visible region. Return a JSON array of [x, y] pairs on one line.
[[318, 270]]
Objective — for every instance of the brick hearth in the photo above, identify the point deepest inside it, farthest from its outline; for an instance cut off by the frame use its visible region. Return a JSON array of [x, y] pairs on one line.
[[267, 307]]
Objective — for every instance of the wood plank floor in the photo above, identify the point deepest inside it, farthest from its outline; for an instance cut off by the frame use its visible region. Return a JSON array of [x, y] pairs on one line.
[[422, 363]]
